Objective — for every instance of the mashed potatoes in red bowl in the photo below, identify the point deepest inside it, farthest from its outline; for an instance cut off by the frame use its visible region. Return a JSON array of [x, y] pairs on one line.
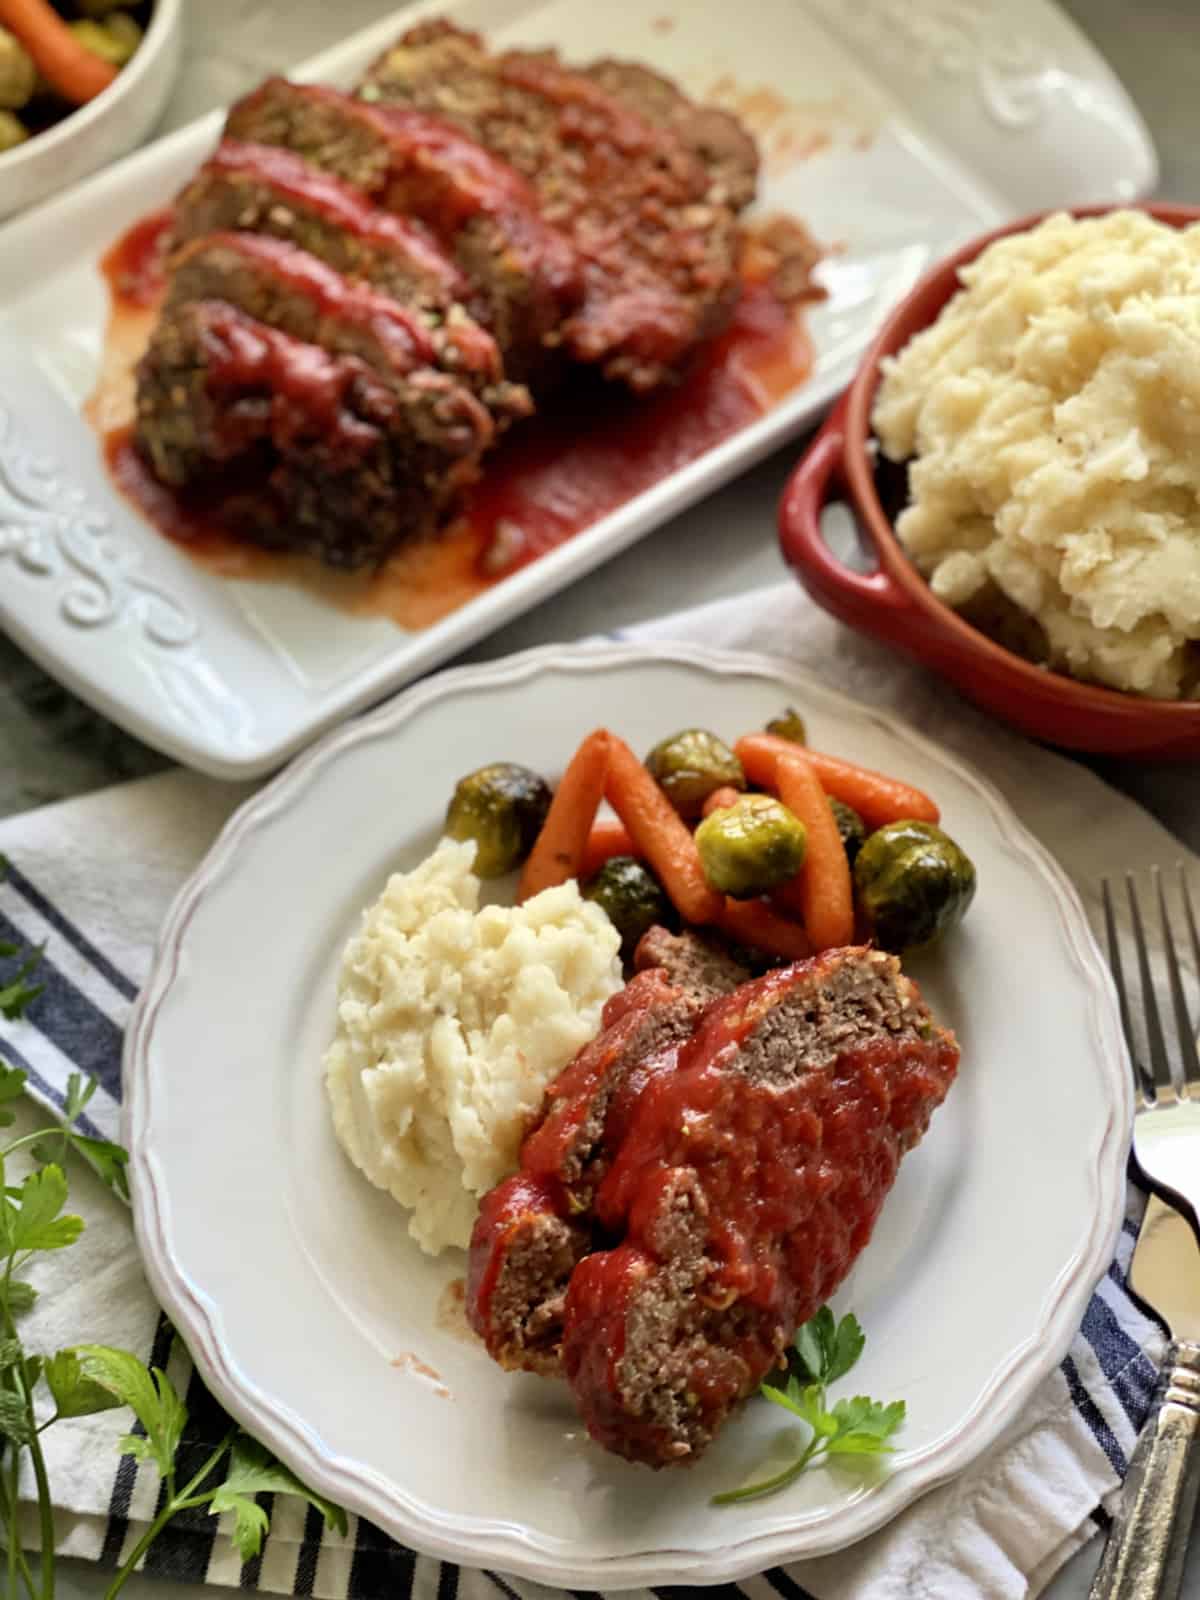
[[1021, 446]]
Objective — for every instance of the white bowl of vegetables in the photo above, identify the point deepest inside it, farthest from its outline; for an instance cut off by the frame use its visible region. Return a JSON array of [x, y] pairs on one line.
[[81, 83]]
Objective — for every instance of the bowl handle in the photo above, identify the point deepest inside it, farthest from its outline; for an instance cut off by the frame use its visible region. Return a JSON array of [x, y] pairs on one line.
[[871, 602]]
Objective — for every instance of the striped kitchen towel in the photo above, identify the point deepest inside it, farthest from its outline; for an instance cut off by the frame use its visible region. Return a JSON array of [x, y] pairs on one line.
[[92, 878]]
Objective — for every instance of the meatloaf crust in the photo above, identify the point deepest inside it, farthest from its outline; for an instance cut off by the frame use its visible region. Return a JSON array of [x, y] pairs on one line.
[[659, 251], [303, 449], [704, 1174], [260, 188], [288, 288], [483, 214], [747, 1184]]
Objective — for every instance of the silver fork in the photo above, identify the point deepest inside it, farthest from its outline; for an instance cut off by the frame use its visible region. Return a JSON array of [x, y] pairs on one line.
[[1148, 1542], [1166, 1129]]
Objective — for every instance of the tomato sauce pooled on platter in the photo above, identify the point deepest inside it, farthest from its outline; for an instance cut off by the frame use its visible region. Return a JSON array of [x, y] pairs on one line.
[[591, 451]]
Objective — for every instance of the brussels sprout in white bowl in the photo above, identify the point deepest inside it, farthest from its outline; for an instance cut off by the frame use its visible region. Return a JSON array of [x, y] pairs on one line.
[[81, 83]]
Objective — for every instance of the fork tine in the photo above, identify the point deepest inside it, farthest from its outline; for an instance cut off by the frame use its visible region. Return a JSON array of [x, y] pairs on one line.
[[1190, 917], [1190, 1059], [1141, 1083], [1160, 1064]]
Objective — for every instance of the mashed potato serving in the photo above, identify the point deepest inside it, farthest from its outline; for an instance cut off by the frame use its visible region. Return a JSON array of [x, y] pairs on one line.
[[451, 1022], [1051, 416]]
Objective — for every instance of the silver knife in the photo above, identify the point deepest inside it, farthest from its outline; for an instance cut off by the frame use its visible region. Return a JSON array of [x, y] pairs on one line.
[[1149, 1536]]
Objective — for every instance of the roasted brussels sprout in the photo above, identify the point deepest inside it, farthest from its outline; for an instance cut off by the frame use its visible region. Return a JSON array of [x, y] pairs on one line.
[[12, 131], [851, 827], [18, 75], [752, 847], [632, 896], [789, 726], [690, 765], [502, 807], [114, 40], [913, 884]]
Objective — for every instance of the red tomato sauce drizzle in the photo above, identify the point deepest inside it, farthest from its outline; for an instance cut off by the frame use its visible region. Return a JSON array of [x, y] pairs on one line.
[[590, 451]]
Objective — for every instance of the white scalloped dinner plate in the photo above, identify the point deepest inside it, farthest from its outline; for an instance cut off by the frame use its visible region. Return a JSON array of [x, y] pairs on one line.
[[896, 129], [313, 1316]]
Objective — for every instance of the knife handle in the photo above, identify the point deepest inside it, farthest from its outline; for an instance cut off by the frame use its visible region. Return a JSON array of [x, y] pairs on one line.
[[1144, 1557]]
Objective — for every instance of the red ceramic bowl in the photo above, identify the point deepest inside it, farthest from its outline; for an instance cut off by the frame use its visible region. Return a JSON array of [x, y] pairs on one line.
[[895, 605]]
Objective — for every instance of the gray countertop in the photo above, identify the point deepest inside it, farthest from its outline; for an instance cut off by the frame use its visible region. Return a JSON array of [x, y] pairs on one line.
[[52, 747]]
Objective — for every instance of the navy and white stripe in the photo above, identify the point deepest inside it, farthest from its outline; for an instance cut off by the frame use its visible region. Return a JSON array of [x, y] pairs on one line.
[[77, 1024]]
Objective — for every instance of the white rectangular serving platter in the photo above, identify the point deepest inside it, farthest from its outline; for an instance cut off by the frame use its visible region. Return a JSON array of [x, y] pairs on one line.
[[893, 128]]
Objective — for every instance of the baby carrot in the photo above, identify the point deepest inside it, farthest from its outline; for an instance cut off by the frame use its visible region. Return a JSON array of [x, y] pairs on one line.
[[877, 798], [719, 799], [558, 850], [75, 72], [660, 834], [825, 891], [755, 923], [607, 839]]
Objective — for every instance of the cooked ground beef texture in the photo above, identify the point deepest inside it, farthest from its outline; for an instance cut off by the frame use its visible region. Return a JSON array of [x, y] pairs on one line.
[[651, 223], [747, 1141], [303, 449], [526, 275]]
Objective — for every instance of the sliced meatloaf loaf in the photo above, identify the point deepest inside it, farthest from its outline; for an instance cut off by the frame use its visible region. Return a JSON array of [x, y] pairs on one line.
[[260, 188], [659, 252], [748, 1181], [532, 1230], [714, 136], [284, 286], [300, 447], [484, 215]]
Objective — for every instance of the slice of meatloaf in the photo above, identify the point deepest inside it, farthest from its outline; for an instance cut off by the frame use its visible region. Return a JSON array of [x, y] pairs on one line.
[[699, 963], [520, 1256], [287, 288], [524, 1247], [299, 447], [261, 188], [482, 213], [659, 253], [716, 137], [748, 1181]]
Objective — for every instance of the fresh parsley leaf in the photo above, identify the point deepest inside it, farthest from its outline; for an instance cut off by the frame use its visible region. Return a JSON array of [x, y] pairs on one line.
[[107, 1160], [10, 1353], [80, 1090], [791, 1397], [150, 1394], [35, 1224], [21, 1296], [7, 950], [848, 1343], [250, 1521], [254, 1470], [14, 1417], [824, 1350], [135, 1445], [75, 1394], [18, 994], [865, 1426], [12, 1087], [12, 1082], [814, 1345]]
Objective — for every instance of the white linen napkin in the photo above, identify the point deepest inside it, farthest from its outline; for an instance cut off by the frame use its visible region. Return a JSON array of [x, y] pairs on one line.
[[94, 876]]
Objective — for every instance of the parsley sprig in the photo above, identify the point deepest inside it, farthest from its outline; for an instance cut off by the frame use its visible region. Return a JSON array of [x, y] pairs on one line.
[[823, 1351], [40, 1390], [17, 994]]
